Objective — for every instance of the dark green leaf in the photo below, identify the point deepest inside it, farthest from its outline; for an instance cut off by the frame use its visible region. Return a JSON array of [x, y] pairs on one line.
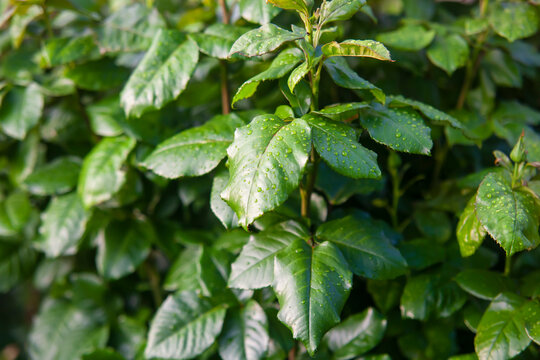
[[531, 314], [161, 75], [356, 335], [342, 112], [483, 284], [103, 354], [185, 326], [501, 332], [98, 75], [219, 207], [254, 267], [16, 262], [263, 40], [123, 247], [102, 173], [338, 145], [245, 334], [195, 151], [400, 129], [57, 177], [509, 215], [266, 163], [59, 51], [470, 233], [21, 110], [428, 111], [217, 39], [15, 211], [408, 38], [449, 52], [339, 10], [514, 20], [63, 224], [365, 246], [421, 253], [311, 286]]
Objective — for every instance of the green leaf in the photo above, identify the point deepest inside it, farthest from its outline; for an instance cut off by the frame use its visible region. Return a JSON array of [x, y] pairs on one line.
[[63, 224], [358, 48], [102, 174], [257, 11], [342, 112], [501, 332], [266, 163], [21, 110], [509, 215], [514, 20], [103, 354], [195, 269], [219, 207], [400, 129], [59, 51], [408, 38], [300, 72], [217, 39], [339, 10], [483, 284], [57, 177], [99, 75], [366, 247], [312, 286], [106, 117], [245, 334], [185, 326], [161, 75], [64, 331], [298, 5], [16, 262], [421, 253], [337, 144], [15, 212], [356, 335], [428, 111], [254, 267], [300, 100], [345, 77], [196, 151], [531, 314], [123, 247], [280, 66], [130, 29], [503, 69], [449, 52], [385, 293], [469, 232], [263, 40]]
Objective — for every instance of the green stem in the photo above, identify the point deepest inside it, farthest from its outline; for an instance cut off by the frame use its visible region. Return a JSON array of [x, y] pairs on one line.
[[515, 177], [396, 194], [507, 265]]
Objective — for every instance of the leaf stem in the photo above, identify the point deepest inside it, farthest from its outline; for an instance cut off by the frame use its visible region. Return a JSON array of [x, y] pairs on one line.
[[226, 18], [305, 192], [507, 265], [225, 96]]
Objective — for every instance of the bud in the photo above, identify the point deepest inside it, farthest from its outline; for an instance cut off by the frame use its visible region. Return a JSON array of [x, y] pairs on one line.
[[518, 153]]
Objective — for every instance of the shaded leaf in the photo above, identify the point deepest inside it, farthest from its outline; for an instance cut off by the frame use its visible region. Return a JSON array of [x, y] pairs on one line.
[[21, 110], [408, 38], [483, 284], [57, 177], [449, 52]]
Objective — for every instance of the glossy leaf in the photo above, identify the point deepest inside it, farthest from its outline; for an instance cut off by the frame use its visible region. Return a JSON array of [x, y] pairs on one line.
[[263, 40], [531, 314], [280, 66], [400, 129], [63, 331], [219, 207], [311, 286], [123, 247], [509, 215], [483, 284], [63, 224], [161, 75], [514, 20], [217, 39], [501, 332], [366, 247], [15, 211], [57, 177], [257, 11], [245, 334], [266, 163], [356, 335], [339, 10], [337, 144], [254, 267], [358, 48], [342, 112], [470, 232], [21, 110], [102, 175], [436, 116], [185, 326], [449, 53], [195, 151], [298, 5], [408, 38]]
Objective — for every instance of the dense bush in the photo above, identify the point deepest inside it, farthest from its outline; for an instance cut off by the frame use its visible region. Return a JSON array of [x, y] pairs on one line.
[[334, 212]]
